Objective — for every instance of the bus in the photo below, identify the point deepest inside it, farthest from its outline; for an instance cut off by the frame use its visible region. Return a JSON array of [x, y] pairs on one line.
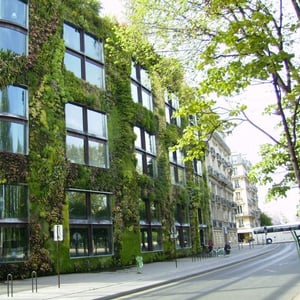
[[276, 233]]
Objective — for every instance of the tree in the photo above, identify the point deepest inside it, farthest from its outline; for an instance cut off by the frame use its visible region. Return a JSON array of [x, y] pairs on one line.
[[230, 45], [265, 220]]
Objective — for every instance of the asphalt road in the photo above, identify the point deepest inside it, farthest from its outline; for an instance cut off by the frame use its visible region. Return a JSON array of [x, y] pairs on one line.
[[273, 276]]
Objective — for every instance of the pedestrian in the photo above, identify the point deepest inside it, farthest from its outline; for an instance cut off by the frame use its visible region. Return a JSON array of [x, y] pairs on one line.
[[210, 246], [227, 247]]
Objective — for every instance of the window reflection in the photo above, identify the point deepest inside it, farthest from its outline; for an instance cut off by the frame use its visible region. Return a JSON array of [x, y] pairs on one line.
[[13, 40], [13, 137], [14, 11], [13, 100], [93, 48], [75, 149], [72, 37], [94, 74], [73, 64]]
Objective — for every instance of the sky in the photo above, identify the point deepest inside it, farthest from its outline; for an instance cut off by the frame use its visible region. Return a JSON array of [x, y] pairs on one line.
[[245, 139]]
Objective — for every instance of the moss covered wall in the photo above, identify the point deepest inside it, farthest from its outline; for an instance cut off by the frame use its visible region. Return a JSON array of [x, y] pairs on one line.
[[46, 169]]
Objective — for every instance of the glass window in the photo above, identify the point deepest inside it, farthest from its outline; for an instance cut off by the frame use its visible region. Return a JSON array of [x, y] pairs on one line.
[[14, 222], [84, 56], [147, 100], [74, 117], [13, 119], [177, 169], [93, 48], [145, 79], [138, 139], [141, 86], [13, 40], [100, 208], [13, 242], [13, 100], [77, 206], [73, 64], [14, 11], [79, 241], [90, 223], [97, 154], [157, 238], [86, 139], [145, 145], [75, 149], [102, 241], [139, 163], [134, 93], [94, 74], [72, 37], [97, 124], [13, 201], [13, 137]]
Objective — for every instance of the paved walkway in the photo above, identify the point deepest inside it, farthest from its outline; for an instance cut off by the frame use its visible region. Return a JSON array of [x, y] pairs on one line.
[[109, 285]]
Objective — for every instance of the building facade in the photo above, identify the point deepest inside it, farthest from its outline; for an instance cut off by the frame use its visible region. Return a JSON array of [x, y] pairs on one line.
[[223, 208], [86, 128], [246, 199]]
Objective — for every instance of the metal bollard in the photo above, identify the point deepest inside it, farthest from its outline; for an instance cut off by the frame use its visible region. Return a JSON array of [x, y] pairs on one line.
[[34, 279], [10, 285]]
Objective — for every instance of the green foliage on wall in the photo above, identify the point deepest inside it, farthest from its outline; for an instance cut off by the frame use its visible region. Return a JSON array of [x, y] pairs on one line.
[[46, 169]]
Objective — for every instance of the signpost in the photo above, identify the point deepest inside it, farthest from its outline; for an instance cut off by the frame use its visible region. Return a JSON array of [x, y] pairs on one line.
[[174, 235], [58, 237]]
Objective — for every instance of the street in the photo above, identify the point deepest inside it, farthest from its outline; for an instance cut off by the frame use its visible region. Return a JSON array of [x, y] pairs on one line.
[[275, 275]]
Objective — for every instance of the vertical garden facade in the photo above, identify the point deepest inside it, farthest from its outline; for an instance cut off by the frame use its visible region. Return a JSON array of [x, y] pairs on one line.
[[86, 127]]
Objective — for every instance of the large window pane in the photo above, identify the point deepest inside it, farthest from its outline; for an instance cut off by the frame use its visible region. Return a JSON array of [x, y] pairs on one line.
[[151, 166], [147, 100], [139, 163], [157, 239], [97, 154], [13, 243], [100, 209], [102, 241], [145, 79], [13, 137], [138, 139], [77, 206], [94, 74], [134, 92], [13, 100], [13, 40], [93, 48], [97, 124], [74, 117], [73, 64], [13, 201], [14, 11], [79, 241], [72, 37], [75, 149]]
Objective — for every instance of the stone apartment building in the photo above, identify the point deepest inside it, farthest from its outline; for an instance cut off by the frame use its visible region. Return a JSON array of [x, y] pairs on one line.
[[245, 197], [223, 209]]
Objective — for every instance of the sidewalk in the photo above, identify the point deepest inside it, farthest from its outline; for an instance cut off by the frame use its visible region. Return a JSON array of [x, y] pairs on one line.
[[109, 285]]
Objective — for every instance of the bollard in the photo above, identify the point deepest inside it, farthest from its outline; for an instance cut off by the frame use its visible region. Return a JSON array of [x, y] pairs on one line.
[[34, 276], [139, 264], [10, 284]]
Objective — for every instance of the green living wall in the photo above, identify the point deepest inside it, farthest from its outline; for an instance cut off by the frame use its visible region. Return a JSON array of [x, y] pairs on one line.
[[47, 171]]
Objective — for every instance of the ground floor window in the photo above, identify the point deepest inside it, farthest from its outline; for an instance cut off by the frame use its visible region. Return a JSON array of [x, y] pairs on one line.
[[14, 229], [90, 223], [151, 238], [90, 240]]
